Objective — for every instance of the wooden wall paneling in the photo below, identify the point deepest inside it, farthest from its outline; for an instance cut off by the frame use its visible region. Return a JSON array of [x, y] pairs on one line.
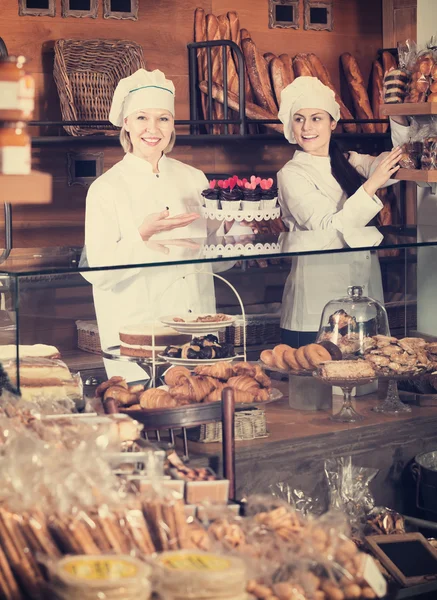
[[399, 21]]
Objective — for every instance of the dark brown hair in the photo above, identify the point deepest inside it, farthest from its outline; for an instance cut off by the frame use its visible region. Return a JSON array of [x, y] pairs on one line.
[[346, 175]]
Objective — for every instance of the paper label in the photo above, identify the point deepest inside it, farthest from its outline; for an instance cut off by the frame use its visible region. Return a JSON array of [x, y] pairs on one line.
[[9, 92], [15, 160], [373, 577], [196, 562], [100, 569]]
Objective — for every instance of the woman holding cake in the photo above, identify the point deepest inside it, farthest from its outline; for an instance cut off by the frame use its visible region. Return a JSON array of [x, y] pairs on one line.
[[320, 189], [144, 205]]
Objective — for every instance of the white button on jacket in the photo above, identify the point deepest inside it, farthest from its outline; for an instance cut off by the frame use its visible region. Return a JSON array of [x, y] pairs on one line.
[[311, 199], [116, 205]]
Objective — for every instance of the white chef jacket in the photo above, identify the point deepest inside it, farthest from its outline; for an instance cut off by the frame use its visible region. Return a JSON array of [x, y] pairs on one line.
[[116, 205], [312, 199]]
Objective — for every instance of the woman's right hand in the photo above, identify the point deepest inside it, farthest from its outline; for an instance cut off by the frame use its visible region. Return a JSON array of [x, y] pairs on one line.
[[159, 222], [383, 172]]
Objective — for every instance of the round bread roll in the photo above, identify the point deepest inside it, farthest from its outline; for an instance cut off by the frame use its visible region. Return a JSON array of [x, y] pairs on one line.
[[332, 348], [267, 358], [316, 354], [301, 359], [290, 359], [278, 356]]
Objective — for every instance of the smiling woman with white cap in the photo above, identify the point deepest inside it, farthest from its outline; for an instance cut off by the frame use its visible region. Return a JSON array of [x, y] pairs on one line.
[[139, 206], [321, 188]]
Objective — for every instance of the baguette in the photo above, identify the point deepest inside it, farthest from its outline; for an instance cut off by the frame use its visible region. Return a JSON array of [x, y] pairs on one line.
[[388, 62], [244, 35], [252, 110], [323, 74], [302, 66], [200, 36], [358, 91], [259, 77], [288, 64], [213, 34], [378, 95], [269, 56], [232, 75], [279, 77], [234, 23]]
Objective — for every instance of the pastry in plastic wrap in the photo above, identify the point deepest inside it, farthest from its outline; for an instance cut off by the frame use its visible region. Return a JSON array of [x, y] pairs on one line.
[[395, 86]]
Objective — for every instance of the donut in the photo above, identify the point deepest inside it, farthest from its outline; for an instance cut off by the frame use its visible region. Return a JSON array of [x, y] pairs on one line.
[[316, 354], [290, 359], [266, 357], [332, 348], [301, 359], [278, 356]]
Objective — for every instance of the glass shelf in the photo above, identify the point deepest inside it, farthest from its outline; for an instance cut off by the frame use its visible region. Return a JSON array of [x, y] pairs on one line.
[[56, 261]]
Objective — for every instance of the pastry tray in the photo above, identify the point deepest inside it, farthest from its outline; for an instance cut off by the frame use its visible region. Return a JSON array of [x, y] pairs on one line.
[[258, 214], [289, 372], [194, 362], [190, 415], [200, 328]]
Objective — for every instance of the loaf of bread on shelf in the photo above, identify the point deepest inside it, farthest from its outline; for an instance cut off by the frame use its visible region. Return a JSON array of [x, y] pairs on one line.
[[288, 65], [378, 95], [232, 75], [258, 71], [302, 66], [252, 111], [323, 74], [268, 56], [279, 76], [213, 34], [389, 62], [358, 91], [200, 36]]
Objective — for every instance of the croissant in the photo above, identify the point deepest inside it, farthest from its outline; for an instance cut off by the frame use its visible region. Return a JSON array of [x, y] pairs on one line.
[[242, 397], [217, 370], [262, 378], [216, 394], [193, 388], [244, 368], [263, 395], [120, 394], [136, 389], [156, 398], [244, 383], [176, 375], [116, 380]]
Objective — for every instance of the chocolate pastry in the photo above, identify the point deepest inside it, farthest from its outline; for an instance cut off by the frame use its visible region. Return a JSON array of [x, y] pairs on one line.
[[229, 195], [172, 351], [269, 194], [333, 349], [193, 353], [208, 352], [342, 322], [253, 195]]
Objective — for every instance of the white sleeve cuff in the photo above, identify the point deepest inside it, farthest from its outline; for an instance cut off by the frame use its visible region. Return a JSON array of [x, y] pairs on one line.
[[360, 209]]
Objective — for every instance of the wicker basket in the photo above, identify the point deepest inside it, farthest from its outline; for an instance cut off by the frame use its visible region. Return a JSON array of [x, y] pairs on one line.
[[260, 329], [86, 73], [88, 338], [249, 425]]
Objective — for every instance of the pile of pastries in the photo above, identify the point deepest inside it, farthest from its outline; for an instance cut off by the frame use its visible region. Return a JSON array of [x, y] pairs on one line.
[[205, 384], [200, 348], [390, 356], [305, 358]]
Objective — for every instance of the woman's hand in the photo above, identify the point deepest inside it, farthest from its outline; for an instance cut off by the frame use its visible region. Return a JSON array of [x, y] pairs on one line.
[[383, 172], [159, 222]]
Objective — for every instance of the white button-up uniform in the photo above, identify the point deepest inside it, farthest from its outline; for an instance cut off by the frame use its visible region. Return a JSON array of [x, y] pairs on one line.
[[116, 205], [311, 199]]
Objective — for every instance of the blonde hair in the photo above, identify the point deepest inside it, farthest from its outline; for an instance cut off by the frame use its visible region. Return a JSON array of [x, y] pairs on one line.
[[126, 143]]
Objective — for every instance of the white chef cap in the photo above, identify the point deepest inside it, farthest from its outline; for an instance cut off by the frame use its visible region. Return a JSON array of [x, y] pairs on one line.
[[142, 90], [305, 92]]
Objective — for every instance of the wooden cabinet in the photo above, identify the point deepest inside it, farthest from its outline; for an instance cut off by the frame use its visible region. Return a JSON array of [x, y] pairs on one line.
[[399, 21]]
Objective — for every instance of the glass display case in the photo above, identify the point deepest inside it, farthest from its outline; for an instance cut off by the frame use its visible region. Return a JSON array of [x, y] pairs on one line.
[[47, 297]]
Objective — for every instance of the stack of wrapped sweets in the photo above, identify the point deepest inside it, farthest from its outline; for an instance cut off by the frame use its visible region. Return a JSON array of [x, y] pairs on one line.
[[241, 194]]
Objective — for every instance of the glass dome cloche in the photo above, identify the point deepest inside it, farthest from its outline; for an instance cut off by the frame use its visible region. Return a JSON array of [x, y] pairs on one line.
[[350, 322]]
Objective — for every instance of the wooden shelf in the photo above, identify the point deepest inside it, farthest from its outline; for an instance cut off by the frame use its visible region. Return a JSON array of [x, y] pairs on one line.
[[35, 188], [417, 175], [408, 109]]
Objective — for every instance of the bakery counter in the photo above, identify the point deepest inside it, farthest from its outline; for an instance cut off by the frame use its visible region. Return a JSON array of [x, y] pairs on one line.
[[300, 441]]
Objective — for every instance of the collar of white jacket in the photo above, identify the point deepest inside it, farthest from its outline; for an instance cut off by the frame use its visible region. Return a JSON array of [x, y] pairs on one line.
[[305, 92], [140, 91]]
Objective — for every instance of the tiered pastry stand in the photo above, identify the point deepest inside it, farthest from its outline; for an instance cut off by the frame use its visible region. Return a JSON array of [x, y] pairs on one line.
[[257, 214], [154, 369], [347, 412]]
